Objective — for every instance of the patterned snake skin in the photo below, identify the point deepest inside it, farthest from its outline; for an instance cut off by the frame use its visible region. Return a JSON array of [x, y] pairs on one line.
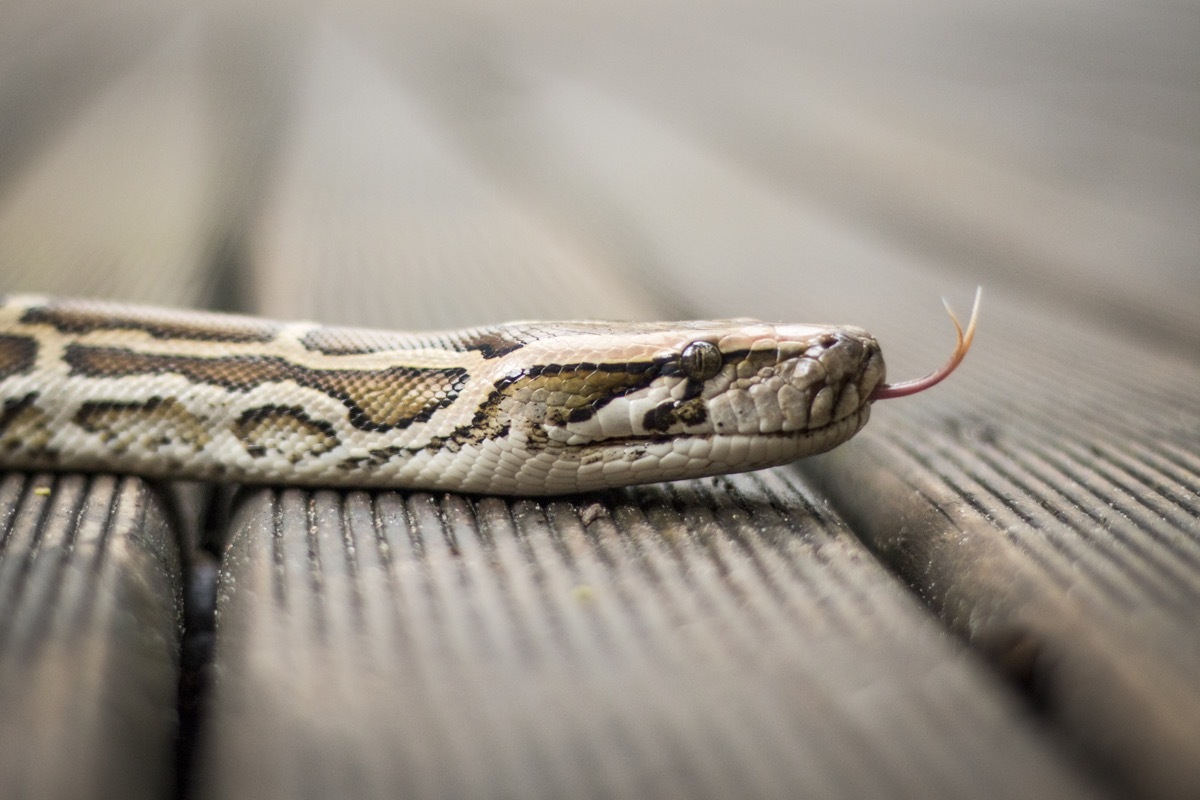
[[527, 408]]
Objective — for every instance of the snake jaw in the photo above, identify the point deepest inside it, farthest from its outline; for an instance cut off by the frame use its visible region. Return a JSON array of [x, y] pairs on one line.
[[649, 459]]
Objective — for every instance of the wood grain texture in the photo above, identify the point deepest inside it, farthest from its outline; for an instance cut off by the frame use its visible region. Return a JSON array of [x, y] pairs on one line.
[[1048, 514], [103, 191], [117, 202], [1044, 501], [90, 594], [708, 639], [992, 591]]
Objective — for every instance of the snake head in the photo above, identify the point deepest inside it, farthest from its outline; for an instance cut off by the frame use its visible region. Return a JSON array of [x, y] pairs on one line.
[[640, 403], [596, 405]]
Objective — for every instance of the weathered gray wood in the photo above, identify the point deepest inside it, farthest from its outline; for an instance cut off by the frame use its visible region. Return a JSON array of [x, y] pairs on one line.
[[116, 199], [1044, 501], [1012, 143], [709, 639], [54, 57], [411, 224], [120, 202], [1048, 513], [90, 596], [1104, 430], [724, 637]]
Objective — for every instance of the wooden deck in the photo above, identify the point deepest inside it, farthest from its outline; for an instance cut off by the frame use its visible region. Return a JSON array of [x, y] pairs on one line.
[[994, 591]]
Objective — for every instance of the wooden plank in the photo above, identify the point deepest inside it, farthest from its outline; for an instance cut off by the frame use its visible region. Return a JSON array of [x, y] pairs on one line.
[[90, 593], [54, 57], [405, 219], [120, 202], [1048, 513], [710, 638], [998, 139], [1043, 500]]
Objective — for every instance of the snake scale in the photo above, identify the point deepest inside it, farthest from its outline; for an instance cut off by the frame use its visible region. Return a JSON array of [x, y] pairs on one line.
[[529, 408]]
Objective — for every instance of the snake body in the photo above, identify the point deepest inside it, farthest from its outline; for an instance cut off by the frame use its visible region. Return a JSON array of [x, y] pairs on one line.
[[528, 408]]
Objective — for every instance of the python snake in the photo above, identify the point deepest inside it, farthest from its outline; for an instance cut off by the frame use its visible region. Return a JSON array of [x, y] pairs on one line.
[[524, 409]]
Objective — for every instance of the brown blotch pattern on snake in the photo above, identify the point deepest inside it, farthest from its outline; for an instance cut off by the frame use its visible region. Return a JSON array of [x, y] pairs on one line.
[[555, 394], [286, 430], [24, 425], [153, 425], [17, 354], [377, 400]]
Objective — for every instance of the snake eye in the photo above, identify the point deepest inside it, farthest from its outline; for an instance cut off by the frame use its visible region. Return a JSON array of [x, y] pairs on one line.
[[700, 360]]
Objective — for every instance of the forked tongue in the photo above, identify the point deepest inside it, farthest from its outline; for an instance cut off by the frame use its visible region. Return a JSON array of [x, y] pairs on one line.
[[886, 391]]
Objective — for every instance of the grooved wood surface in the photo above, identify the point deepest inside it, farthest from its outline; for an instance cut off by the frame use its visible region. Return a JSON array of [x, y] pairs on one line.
[[708, 639], [1053, 524], [991, 592], [104, 190], [90, 594]]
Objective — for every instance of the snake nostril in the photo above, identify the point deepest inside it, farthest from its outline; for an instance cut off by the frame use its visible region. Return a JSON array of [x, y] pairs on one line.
[[829, 340]]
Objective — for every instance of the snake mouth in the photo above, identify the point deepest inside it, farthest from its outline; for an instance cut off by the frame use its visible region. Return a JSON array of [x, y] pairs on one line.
[[648, 459]]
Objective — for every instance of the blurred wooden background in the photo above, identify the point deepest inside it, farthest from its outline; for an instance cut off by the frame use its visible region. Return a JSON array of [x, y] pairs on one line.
[[992, 592]]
